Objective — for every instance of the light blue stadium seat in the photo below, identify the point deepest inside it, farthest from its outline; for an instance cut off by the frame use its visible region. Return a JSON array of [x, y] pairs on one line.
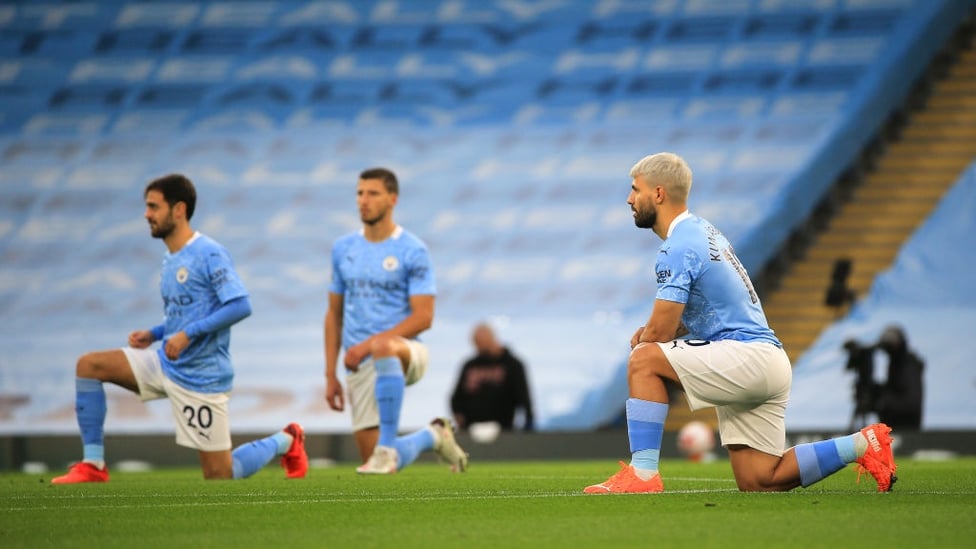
[[766, 53], [741, 107], [149, 15], [194, 69], [809, 103], [715, 8]]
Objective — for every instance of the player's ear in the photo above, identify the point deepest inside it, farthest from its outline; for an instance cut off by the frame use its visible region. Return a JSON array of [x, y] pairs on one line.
[[179, 209], [659, 194]]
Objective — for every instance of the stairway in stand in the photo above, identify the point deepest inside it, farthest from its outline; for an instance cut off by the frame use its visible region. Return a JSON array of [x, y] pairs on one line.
[[909, 179]]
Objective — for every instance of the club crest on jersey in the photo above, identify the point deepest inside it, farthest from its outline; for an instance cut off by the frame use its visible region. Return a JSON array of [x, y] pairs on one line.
[[182, 274], [390, 263]]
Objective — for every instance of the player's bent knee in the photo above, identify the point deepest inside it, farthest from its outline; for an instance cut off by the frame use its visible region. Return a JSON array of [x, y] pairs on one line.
[[750, 483], [385, 346], [745, 485], [636, 369], [88, 366], [214, 474], [217, 471], [757, 484], [217, 465], [642, 364]]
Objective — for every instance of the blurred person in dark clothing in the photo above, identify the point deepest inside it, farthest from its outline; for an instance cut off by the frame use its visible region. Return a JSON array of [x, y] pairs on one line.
[[492, 385], [900, 401]]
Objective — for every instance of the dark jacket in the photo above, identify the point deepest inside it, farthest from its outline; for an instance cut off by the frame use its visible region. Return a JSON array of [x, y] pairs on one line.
[[492, 388]]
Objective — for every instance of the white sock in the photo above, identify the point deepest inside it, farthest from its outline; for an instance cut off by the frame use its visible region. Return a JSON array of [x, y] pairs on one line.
[[645, 474], [437, 437], [98, 463], [860, 444]]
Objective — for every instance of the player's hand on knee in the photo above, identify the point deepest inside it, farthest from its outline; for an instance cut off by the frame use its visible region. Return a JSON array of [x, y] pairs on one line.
[[635, 339], [355, 355], [175, 345], [140, 339]]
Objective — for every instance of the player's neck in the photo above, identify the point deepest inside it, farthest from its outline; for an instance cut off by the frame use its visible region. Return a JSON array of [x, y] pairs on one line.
[[379, 231], [665, 218], [178, 238]]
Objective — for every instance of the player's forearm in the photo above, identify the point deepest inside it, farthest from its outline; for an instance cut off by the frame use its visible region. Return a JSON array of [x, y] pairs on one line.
[[663, 323], [331, 363], [655, 334], [412, 326], [420, 319], [659, 330], [332, 330]]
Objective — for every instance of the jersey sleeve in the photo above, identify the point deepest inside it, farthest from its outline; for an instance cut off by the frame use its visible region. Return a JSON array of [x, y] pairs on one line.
[[230, 313], [676, 269], [420, 273], [336, 284], [223, 277]]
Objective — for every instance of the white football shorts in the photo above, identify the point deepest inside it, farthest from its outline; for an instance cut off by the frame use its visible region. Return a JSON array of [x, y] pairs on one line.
[[362, 386], [201, 419], [747, 383]]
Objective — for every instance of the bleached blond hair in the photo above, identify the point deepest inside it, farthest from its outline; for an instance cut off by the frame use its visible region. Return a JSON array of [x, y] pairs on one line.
[[668, 170]]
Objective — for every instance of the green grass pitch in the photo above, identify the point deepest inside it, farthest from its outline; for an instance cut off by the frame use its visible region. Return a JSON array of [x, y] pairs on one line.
[[496, 504]]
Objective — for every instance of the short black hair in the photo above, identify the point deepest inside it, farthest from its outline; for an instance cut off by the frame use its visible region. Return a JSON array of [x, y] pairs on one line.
[[388, 178], [175, 188]]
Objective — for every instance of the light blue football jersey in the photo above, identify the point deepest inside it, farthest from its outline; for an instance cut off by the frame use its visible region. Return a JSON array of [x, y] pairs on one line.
[[697, 266], [376, 280], [196, 281]]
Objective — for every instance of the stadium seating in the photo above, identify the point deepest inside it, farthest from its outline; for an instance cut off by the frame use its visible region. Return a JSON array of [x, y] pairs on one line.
[[512, 126]]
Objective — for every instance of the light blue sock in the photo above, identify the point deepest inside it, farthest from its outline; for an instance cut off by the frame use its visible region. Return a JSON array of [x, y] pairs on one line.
[[409, 447], [818, 460], [645, 427], [389, 398], [251, 457], [90, 409]]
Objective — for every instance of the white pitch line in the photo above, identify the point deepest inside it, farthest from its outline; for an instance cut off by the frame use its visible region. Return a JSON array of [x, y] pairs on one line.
[[359, 499], [584, 478]]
